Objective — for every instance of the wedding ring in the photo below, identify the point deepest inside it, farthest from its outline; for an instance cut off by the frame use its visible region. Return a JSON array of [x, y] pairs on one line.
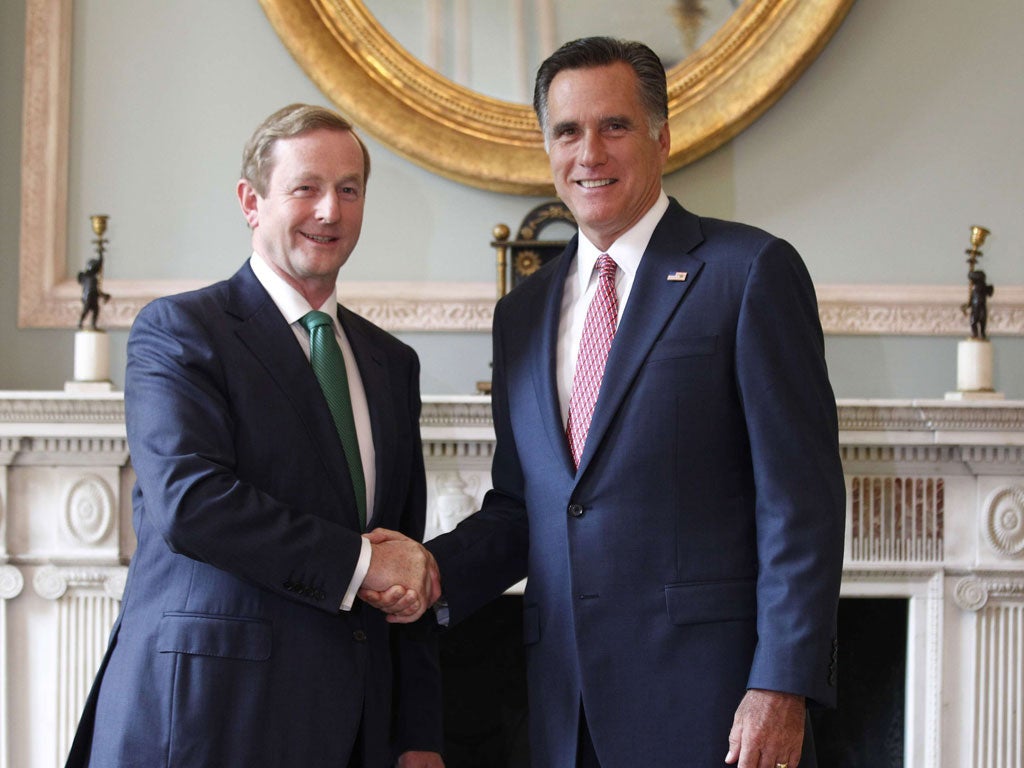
[[782, 765]]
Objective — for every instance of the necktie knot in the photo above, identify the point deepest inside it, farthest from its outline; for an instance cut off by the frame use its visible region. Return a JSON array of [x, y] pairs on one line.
[[606, 267], [314, 319]]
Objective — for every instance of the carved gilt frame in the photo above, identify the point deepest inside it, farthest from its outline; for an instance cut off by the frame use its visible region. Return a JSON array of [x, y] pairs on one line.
[[49, 298], [466, 136]]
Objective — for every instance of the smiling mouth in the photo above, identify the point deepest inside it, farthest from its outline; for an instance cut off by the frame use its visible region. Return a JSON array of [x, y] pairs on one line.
[[595, 183], [323, 239]]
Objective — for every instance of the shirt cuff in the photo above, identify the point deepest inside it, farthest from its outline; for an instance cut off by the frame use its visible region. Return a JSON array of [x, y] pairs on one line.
[[362, 568]]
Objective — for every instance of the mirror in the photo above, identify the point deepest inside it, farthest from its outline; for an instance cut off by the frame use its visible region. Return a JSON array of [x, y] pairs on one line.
[[494, 47], [741, 70]]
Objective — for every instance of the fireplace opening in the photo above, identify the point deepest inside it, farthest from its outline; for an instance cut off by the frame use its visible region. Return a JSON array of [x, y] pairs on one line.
[[867, 726]]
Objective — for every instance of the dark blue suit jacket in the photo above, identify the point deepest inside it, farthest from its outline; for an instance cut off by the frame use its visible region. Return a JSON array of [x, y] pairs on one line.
[[698, 549], [230, 649]]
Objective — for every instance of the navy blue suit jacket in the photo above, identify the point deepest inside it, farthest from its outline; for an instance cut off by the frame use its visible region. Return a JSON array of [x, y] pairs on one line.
[[230, 649], [697, 551]]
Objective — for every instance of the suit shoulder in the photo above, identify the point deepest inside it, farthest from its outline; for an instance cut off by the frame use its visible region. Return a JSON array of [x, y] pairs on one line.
[[200, 301], [736, 233]]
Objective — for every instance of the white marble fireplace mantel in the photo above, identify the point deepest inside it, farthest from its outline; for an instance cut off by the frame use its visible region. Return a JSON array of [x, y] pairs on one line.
[[935, 515]]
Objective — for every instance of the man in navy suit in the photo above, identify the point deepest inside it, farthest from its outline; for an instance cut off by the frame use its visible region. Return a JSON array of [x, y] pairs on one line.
[[240, 642], [684, 563]]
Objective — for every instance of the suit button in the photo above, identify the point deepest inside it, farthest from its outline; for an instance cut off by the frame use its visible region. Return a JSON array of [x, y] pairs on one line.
[[288, 586], [359, 636], [319, 594], [576, 510]]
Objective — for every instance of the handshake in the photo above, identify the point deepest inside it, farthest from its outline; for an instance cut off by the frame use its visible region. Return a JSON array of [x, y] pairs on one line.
[[403, 580]]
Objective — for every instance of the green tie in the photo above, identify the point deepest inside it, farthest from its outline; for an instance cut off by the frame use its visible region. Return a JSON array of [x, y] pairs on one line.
[[329, 366]]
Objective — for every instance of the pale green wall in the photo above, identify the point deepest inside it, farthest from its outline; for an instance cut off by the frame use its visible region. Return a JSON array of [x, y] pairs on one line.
[[903, 133]]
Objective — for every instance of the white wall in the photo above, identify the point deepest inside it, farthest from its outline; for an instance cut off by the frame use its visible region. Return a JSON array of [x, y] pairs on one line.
[[904, 133]]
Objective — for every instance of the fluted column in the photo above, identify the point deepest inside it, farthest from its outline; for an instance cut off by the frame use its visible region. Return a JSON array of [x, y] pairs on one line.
[[88, 599], [998, 701]]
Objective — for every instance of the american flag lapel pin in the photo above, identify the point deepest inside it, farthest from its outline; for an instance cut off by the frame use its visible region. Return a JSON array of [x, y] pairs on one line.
[[676, 277]]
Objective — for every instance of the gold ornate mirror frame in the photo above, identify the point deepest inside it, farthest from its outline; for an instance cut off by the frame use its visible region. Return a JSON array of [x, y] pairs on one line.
[[492, 144]]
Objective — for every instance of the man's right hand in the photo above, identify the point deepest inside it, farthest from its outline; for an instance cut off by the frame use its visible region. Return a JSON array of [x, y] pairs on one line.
[[403, 580]]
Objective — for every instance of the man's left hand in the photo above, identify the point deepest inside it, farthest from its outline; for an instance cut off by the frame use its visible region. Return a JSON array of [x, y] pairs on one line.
[[768, 730], [420, 760]]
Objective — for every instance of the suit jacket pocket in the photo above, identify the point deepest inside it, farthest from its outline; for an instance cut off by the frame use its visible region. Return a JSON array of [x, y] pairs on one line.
[[203, 634], [669, 349], [531, 624], [711, 601]]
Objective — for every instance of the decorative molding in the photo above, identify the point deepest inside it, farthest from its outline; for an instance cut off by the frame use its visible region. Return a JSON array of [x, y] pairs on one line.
[[52, 582], [899, 454], [58, 408], [89, 510], [456, 412], [999, 695], [83, 630], [914, 310], [11, 582], [1003, 526], [455, 499], [930, 416], [863, 573], [972, 593], [897, 519]]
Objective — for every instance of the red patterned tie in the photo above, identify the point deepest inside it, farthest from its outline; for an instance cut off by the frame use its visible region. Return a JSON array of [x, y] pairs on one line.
[[598, 333]]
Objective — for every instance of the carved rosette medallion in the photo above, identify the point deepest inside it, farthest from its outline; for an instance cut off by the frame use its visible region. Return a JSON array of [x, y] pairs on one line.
[[89, 510], [1004, 521]]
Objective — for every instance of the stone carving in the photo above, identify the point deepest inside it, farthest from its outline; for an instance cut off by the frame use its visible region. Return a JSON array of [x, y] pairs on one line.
[[454, 503], [897, 519], [1004, 521], [11, 582], [89, 510], [973, 593], [52, 582]]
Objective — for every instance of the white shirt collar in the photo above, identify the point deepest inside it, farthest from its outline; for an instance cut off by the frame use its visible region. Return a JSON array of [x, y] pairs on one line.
[[626, 251], [290, 302]]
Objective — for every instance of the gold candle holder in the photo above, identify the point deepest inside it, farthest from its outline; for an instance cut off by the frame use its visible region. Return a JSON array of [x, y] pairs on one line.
[[99, 228], [978, 235]]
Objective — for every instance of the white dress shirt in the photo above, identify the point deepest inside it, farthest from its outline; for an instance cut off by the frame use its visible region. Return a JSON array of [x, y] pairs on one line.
[[293, 306], [581, 283]]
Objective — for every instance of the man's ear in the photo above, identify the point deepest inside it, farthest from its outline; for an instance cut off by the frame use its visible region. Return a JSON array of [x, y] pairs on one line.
[[248, 199]]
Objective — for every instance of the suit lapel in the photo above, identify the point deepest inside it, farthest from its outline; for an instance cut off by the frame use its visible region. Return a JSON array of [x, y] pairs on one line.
[[548, 307], [652, 302], [379, 400], [271, 340]]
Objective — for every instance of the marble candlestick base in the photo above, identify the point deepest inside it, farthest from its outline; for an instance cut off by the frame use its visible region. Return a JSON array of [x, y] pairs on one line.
[[974, 372], [92, 363]]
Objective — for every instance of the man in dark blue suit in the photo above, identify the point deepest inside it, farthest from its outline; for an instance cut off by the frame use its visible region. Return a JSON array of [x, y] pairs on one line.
[[683, 544], [240, 642]]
